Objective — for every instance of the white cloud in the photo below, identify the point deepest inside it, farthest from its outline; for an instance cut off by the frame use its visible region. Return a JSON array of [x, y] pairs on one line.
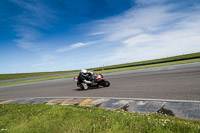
[[73, 46], [149, 32], [135, 21], [144, 2], [140, 39]]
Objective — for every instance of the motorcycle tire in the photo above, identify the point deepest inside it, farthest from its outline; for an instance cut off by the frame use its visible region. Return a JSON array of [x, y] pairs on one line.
[[106, 84], [84, 86], [81, 86]]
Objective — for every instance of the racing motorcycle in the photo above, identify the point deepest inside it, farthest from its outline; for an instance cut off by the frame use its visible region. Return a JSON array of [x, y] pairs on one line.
[[98, 81]]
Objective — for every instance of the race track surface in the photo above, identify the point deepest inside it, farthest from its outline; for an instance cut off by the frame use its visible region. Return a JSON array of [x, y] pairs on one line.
[[173, 82]]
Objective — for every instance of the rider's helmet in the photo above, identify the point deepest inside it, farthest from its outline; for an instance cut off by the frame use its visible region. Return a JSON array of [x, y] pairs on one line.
[[84, 71]]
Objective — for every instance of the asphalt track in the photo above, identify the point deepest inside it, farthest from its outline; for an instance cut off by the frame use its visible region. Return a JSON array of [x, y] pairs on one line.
[[180, 82]]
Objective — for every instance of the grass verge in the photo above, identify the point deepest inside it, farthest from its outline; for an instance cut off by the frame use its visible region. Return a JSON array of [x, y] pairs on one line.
[[33, 118], [106, 71], [27, 75], [156, 61], [151, 66], [40, 79]]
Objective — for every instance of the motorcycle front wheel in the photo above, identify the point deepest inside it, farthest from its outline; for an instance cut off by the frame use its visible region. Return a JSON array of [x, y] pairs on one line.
[[106, 84], [84, 86]]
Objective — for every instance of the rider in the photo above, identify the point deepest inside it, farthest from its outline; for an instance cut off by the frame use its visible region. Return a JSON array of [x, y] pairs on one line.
[[85, 77]]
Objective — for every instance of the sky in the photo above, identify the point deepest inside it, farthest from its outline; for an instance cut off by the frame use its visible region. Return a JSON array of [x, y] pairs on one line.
[[59, 35]]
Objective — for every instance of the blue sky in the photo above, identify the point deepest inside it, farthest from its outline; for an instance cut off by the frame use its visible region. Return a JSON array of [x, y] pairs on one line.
[[57, 35]]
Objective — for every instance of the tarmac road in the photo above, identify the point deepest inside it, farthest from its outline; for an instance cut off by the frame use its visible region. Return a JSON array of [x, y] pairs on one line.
[[180, 82]]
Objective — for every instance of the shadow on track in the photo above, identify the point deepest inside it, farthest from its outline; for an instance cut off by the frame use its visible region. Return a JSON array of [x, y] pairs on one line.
[[91, 88]]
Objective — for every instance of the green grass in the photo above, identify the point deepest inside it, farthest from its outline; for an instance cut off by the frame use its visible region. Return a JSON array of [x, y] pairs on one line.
[[151, 66], [152, 61], [105, 71], [40, 118], [40, 79], [27, 75]]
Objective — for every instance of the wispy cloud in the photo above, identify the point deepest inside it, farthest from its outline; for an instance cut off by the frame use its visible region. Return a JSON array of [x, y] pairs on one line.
[[153, 30], [147, 2], [45, 60], [73, 46], [150, 29], [27, 38], [135, 21], [35, 15], [52, 62]]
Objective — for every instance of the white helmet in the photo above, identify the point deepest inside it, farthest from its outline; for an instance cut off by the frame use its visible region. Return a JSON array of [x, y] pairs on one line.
[[84, 71]]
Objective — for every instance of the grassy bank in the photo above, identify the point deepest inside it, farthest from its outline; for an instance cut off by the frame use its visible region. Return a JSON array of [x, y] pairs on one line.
[[27, 75], [105, 71], [16, 118], [169, 59], [151, 66], [40, 79]]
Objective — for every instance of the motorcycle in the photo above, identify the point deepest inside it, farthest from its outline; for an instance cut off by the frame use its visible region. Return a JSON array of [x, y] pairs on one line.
[[98, 81]]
